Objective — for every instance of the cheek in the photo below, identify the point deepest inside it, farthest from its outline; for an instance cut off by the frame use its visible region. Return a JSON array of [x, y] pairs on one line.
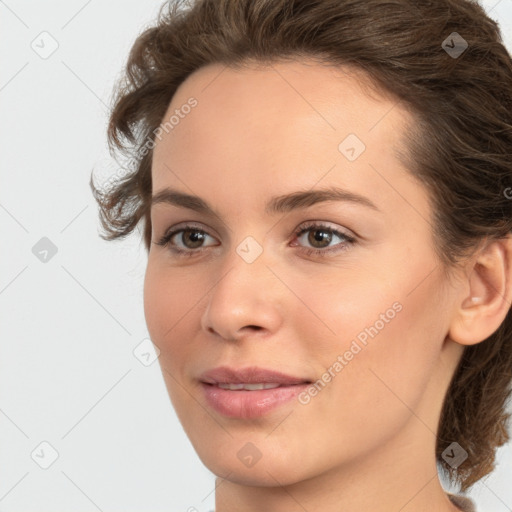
[[169, 297], [169, 305], [167, 300], [156, 302], [387, 332]]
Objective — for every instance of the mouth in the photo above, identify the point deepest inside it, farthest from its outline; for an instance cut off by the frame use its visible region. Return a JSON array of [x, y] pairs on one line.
[[249, 392], [250, 378], [251, 387]]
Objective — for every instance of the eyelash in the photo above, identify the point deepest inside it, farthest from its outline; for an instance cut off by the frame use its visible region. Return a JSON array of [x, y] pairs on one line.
[[166, 239]]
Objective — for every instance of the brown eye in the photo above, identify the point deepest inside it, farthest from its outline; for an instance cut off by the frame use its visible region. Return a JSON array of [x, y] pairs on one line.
[[320, 237], [187, 240], [194, 236]]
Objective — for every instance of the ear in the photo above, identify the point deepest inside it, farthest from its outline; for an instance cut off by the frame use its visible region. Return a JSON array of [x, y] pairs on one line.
[[485, 293]]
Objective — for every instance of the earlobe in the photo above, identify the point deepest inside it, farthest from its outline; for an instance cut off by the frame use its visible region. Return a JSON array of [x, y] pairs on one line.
[[486, 293]]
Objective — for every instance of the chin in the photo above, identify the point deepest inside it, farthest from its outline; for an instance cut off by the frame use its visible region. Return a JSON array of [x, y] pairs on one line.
[[268, 471]]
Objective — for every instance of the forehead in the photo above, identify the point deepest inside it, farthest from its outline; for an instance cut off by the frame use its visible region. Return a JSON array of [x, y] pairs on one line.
[[274, 120]]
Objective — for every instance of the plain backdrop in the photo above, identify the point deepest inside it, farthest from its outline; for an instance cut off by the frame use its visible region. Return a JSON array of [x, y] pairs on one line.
[[85, 421]]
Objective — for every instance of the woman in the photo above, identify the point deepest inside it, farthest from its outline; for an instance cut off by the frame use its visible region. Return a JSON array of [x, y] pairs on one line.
[[325, 193]]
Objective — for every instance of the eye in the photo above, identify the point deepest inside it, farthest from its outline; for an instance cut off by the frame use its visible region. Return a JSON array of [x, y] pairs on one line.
[[320, 236], [191, 237]]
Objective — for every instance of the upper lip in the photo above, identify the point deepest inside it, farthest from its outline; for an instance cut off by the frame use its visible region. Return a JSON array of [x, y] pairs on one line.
[[248, 375]]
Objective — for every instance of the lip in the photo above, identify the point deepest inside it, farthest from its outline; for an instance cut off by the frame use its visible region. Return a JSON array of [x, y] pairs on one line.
[[249, 375], [249, 404]]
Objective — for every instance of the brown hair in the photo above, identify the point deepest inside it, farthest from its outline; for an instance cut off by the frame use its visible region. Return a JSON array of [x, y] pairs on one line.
[[460, 145]]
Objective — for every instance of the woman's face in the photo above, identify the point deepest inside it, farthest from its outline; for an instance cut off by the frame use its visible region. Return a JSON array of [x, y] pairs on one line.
[[357, 303]]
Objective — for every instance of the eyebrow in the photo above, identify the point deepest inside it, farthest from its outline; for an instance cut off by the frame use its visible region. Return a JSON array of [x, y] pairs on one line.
[[278, 204]]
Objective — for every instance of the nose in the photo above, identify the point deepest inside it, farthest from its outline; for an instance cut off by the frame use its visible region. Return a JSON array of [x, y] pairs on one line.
[[246, 299]]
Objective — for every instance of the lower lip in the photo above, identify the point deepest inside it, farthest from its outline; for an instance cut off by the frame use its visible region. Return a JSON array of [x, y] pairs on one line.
[[249, 404]]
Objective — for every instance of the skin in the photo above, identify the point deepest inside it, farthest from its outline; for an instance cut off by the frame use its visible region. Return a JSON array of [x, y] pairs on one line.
[[366, 441]]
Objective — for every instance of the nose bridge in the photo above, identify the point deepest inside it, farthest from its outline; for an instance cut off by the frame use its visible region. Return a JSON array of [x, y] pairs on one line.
[[241, 297], [244, 272], [245, 265]]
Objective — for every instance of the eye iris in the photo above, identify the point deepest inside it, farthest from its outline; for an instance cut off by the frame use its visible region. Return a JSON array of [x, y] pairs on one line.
[[325, 237], [196, 236]]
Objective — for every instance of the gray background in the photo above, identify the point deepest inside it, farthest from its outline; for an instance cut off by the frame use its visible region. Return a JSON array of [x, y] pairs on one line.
[[68, 373]]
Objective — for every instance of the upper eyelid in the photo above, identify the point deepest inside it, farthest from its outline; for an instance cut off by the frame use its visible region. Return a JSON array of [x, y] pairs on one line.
[[192, 226], [306, 225]]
